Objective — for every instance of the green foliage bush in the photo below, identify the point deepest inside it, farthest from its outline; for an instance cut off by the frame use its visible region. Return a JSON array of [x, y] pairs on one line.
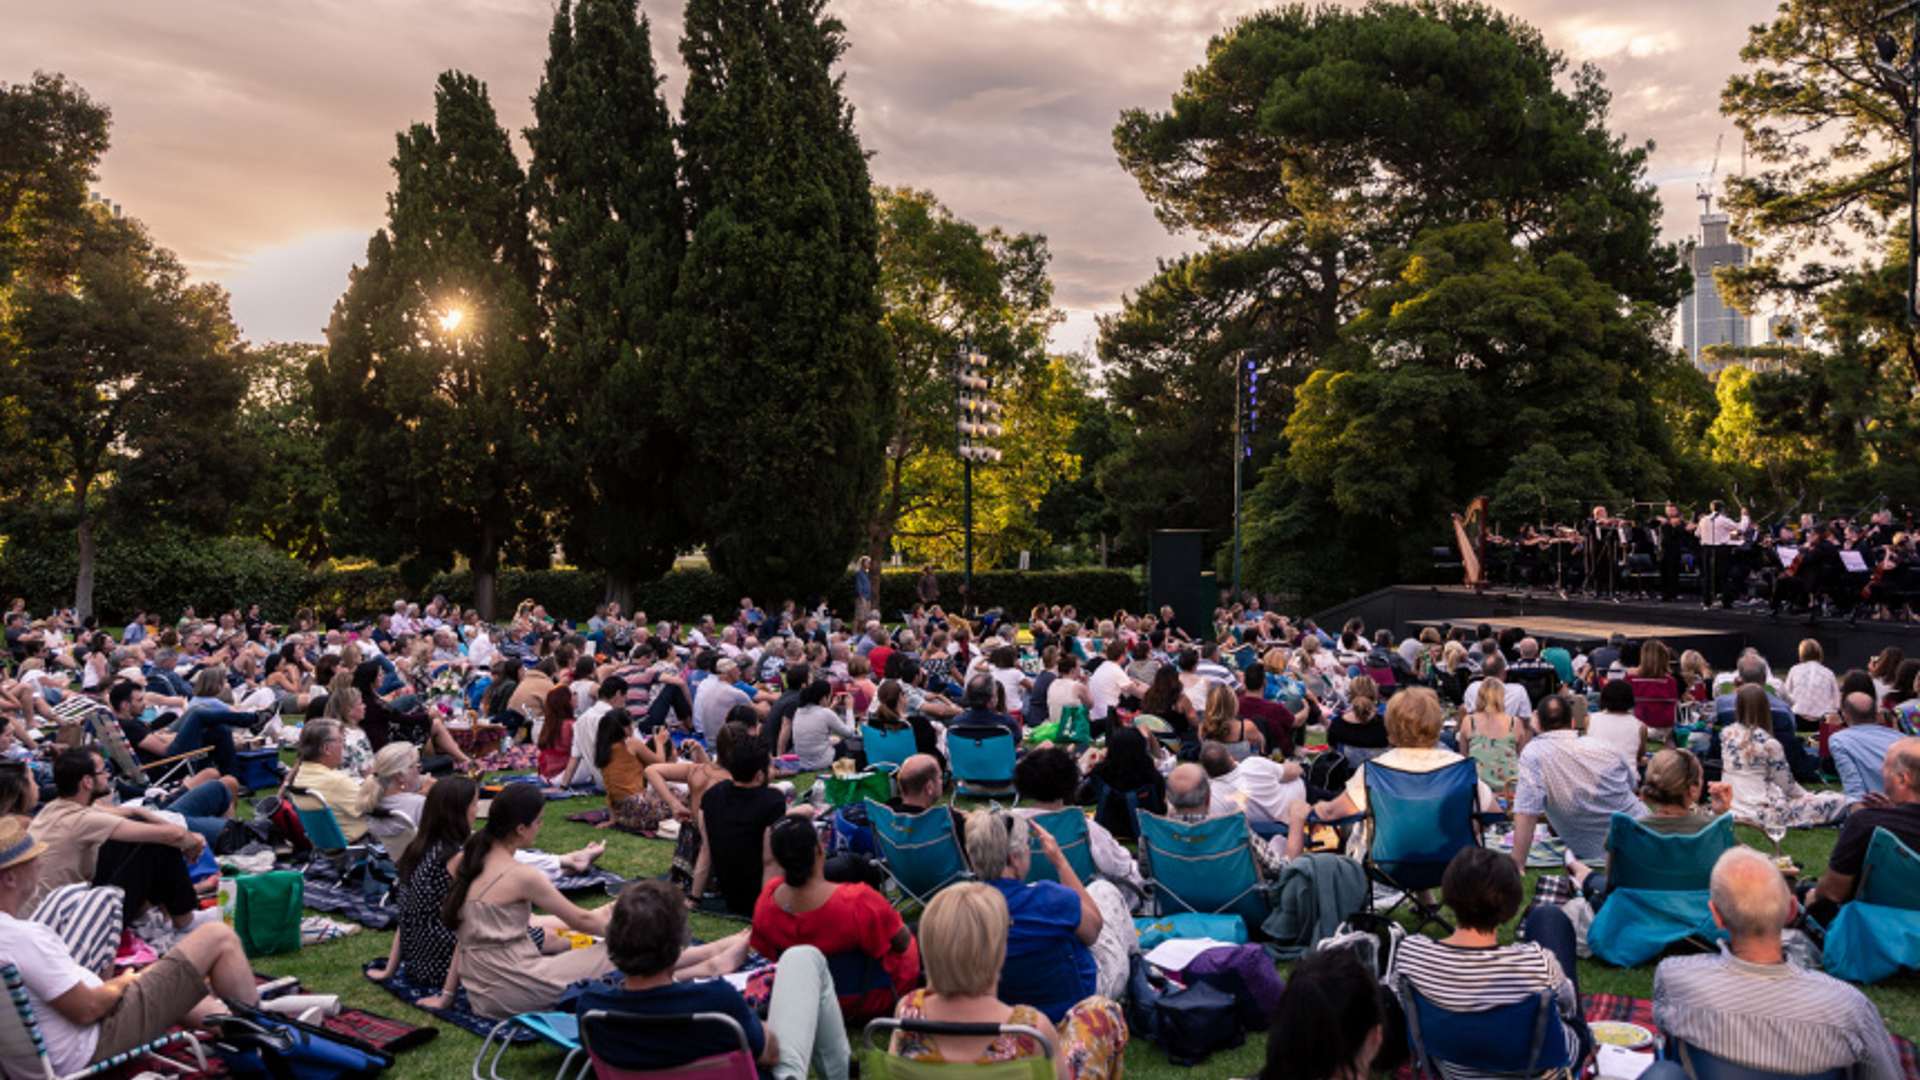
[[162, 570]]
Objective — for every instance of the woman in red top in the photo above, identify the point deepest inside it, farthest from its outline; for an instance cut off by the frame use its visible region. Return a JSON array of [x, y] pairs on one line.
[[851, 923], [556, 731]]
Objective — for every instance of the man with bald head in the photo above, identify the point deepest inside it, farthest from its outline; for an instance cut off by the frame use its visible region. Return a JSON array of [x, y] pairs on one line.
[[1896, 809], [1859, 749], [1190, 799], [920, 788], [1746, 1004]]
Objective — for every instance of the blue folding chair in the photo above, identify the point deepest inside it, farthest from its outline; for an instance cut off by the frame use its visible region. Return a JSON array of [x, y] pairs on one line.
[[561, 1029], [920, 852], [1877, 933], [1205, 867], [1487, 1040], [982, 761], [1656, 889], [887, 749], [323, 831], [1420, 821], [1069, 829], [1700, 1065], [30, 1038]]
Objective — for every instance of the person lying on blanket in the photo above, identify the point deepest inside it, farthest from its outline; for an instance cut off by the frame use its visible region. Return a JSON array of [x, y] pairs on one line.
[[82, 1019]]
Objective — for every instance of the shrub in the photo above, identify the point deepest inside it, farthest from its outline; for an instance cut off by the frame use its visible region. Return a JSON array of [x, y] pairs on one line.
[[162, 570]]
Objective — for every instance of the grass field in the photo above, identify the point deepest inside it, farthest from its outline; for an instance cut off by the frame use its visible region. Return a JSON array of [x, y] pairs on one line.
[[335, 967]]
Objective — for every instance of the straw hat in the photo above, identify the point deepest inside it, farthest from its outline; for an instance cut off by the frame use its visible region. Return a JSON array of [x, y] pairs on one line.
[[16, 845]]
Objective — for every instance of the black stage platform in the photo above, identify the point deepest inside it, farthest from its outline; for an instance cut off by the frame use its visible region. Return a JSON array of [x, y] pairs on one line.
[[1719, 635]]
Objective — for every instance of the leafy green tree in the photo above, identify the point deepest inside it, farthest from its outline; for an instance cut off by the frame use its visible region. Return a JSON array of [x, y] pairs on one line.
[[292, 501], [1483, 367], [125, 378], [777, 308], [1313, 144], [1075, 512], [52, 136], [611, 223], [945, 283], [421, 396]]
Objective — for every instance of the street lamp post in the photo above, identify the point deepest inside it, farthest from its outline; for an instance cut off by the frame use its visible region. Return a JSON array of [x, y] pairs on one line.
[[1246, 411], [978, 420]]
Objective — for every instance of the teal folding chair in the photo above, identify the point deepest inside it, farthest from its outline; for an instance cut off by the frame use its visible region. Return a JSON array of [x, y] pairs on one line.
[[561, 1029], [982, 760], [1204, 867], [1656, 890], [29, 1036], [1069, 829], [887, 749], [920, 852], [329, 842], [1877, 933]]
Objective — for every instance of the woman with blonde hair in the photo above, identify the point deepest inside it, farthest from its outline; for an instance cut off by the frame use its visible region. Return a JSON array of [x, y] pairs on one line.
[[1450, 674], [1811, 689], [963, 947], [1359, 732], [345, 704], [1223, 725], [1696, 676], [1492, 739]]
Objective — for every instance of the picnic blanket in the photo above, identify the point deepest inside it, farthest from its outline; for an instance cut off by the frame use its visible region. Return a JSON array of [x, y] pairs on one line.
[[595, 878], [596, 817], [349, 902], [517, 758], [460, 1013], [553, 794]]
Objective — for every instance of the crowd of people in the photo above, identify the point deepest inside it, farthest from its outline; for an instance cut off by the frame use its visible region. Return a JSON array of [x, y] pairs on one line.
[[690, 732]]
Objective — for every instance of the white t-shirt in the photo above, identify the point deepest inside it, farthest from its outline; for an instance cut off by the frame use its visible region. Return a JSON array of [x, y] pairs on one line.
[[1010, 678], [1622, 731], [1105, 685], [586, 731], [585, 691], [1061, 693], [1258, 787], [49, 972], [712, 701]]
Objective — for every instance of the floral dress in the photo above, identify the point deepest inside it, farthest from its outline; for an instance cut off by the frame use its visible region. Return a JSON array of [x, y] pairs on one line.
[[1093, 1038], [1756, 765], [357, 759]]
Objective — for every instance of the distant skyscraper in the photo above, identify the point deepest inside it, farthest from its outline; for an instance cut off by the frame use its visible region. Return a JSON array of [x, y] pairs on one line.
[[1705, 319]]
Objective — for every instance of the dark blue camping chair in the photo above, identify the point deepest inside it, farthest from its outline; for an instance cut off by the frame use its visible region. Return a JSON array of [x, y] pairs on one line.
[[1420, 821], [1069, 829], [1521, 1039], [920, 851], [1204, 867], [1700, 1065]]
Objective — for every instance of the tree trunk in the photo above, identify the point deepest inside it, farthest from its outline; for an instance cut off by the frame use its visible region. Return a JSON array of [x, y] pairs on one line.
[[620, 590], [83, 582], [486, 567], [1103, 550], [880, 537]]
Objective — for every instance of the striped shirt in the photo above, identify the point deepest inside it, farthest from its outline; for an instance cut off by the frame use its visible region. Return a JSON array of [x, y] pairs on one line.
[[1462, 979], [1579, 784], [1773, 1017]]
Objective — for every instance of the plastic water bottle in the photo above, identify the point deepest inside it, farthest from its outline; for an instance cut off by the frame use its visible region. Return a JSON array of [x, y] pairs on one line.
[[228, 890]]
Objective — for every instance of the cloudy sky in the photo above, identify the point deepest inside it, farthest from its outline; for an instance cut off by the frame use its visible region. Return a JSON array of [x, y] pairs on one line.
[[254, 136]]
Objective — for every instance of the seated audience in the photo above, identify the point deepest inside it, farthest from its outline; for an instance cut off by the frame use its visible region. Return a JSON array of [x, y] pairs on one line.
[[347, 708], [1469, 970], [321, 772], [802, 907], [1126, 778], [1190, 800], [1616, 725], [1810, 688], [1752, 671], [811, 729], [1896, 810], [490, 909], [1576, 784], [90, 841], [647, 941], [82, 1019], [1860, 749], [1223, 725], [1748, 1005], [1046, 779], [968, 937], [1278, 724], [622, 758], [1331, 1022], [1753, 761], [1492, 737], [1069, 940], [556, 730], [735, 815], [1260, 787]]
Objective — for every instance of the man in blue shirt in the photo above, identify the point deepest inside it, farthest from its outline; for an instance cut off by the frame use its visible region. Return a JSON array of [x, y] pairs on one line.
[[1860, 749], [646, 941]]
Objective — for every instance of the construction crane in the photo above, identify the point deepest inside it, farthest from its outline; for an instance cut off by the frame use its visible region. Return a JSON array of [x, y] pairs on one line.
[[1704, 191]]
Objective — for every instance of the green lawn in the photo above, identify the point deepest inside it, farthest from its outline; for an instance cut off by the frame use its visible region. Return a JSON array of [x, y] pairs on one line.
[[335, 967]]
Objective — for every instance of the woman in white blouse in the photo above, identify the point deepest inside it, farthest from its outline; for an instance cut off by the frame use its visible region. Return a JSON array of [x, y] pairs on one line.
[[1811, 690]]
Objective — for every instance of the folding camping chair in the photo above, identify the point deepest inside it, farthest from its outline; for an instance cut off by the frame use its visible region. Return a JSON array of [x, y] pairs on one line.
[[324, 832], [1069, 829], [877, 1062], [1700, 1065], [1656, 889], [1205, 867], [887, 749], [29, 1036], [561, 1029], [1655, 702], [982, 761], [1420, 821], [735, 1064], [1877, 933], [920, 852], [1486, 1040], [128, 772]]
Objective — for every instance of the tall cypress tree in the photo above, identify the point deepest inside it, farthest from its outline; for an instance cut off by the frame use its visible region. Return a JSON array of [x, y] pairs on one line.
[[421, 395], [609, 217], [777, 313]]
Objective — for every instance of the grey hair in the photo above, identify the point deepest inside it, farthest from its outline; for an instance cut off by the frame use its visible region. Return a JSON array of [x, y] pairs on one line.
[[314, 736], [1188, 798], [989, 846], [1750, 895], [1751, 670]]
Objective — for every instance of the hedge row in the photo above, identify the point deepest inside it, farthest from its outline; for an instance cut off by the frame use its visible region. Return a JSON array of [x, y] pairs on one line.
[[170, 571]]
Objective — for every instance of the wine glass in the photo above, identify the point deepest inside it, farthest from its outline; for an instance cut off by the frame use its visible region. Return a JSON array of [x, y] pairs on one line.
[[1774, 823]]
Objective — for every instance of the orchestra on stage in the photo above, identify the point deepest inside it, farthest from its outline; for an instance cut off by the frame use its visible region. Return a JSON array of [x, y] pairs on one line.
[[1859, 565]]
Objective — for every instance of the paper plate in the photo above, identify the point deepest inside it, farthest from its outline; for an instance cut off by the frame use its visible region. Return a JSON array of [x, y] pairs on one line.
[[1620, 1033]]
